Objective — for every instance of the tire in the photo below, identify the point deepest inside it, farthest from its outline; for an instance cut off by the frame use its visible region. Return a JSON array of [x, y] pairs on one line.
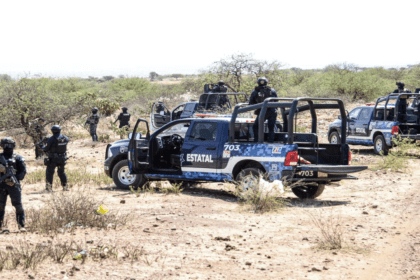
[[379, 145], [247, 177], [122, 177], [308, 192], [334, 138]]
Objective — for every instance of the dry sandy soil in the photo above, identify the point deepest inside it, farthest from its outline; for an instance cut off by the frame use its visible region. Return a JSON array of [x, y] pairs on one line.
[[204, 233]]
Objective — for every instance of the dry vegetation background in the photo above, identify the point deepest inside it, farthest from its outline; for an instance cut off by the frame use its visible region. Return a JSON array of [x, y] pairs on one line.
[[357, 229]]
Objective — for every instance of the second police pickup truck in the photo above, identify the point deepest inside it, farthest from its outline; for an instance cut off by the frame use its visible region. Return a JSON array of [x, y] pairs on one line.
[[377, 124], [223, 149]]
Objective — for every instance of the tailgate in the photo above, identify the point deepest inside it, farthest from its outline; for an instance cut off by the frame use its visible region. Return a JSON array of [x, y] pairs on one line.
[[325, 173], [332, 169]]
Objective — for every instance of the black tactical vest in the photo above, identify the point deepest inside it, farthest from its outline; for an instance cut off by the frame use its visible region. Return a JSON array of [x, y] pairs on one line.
[[263, 93], [124, 117], [60, 144], [94, 119], [11, 161]]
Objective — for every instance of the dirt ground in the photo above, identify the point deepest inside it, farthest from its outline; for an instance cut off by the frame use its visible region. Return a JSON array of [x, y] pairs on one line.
[[204, 233]]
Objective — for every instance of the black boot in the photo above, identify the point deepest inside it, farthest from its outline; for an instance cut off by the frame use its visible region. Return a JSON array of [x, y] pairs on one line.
[[21, 222]]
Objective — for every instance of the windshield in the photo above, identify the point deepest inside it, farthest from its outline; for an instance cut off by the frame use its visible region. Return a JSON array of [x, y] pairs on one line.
[[179, 129]]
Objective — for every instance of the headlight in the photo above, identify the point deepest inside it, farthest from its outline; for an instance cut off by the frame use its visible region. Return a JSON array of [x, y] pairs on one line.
[[109, 152]]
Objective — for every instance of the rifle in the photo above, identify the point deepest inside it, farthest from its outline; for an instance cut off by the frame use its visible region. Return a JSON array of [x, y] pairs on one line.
[[10, 172]]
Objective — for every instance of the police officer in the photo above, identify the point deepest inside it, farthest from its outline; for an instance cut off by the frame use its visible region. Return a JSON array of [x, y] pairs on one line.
[[93, 121], [56, 149], [9, 186], [220, 87], [124, 118], [258, 95], [401, 88], [37, 131]]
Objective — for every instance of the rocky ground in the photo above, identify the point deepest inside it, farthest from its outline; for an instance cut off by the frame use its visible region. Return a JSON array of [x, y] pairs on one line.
[[204, 233]]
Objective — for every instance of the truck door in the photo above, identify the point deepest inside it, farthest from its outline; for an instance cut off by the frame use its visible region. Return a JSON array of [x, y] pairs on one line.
[[159, 116], [352, 119], [362, 122], [202, 150], [138, 149]]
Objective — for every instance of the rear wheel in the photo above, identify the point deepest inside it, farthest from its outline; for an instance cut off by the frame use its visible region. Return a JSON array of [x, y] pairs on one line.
[[248, 177], [334, 138], [379, 145], [308, 192], [123, 178]]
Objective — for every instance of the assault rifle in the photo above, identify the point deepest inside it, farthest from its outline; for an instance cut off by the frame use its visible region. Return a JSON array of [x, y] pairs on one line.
[[10, 172]]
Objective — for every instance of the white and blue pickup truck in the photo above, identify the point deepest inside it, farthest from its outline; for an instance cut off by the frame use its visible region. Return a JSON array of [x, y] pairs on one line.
[[396, 114], [223, 149]]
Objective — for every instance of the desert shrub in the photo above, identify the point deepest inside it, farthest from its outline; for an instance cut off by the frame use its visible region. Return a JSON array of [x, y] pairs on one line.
[[175, 188], [398, 156], [330, 227], [260, 197], [70, 210]]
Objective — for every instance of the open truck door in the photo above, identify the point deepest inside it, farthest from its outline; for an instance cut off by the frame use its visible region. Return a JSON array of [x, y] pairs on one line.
[[138, 149], [159, 116]]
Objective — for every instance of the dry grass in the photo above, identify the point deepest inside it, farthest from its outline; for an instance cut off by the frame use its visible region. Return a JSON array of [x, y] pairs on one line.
[[330, 228], [67, 211]]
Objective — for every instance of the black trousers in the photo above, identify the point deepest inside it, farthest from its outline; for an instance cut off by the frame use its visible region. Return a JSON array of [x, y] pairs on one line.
[[271, 117], [93, 132], [15, 194], [60, 164]]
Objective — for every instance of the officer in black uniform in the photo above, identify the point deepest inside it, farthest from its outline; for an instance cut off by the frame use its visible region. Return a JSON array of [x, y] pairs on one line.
[[258, 95], [8, 186], [56, 149], [401, 88], [223, 99], [220, 87], [124, 118], [93, 121]]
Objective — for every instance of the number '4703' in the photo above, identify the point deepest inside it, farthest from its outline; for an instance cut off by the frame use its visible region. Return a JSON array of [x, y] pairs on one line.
[[231, 147]]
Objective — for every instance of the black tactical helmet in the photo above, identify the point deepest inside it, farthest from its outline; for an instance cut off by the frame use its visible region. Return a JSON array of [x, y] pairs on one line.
[[8, 142], [262, 81], [94, 110], [221, 83], [56, 128], [124, 109], [400, 85]]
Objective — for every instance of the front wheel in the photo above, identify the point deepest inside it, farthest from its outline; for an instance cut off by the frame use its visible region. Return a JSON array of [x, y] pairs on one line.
[[308, 192], [379, 145], [123, 178], [334, 138]]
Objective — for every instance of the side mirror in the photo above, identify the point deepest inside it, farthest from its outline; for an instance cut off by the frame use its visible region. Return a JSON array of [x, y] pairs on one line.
[[138, 135]]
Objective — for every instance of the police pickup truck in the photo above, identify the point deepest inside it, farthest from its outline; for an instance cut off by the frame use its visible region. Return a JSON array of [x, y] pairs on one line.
[[223, 149], [377, 124]]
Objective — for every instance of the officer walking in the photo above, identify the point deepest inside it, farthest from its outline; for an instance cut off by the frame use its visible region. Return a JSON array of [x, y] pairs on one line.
[[124, 118], [56, 149], [11, 164], [258, 95], [93, 121], [37, 131]]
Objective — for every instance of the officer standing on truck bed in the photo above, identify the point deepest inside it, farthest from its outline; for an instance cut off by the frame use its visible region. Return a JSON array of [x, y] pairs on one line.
[[14, 165], [124, 118], [93, 121], [56, 149], [258, 95], [401, 88]]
